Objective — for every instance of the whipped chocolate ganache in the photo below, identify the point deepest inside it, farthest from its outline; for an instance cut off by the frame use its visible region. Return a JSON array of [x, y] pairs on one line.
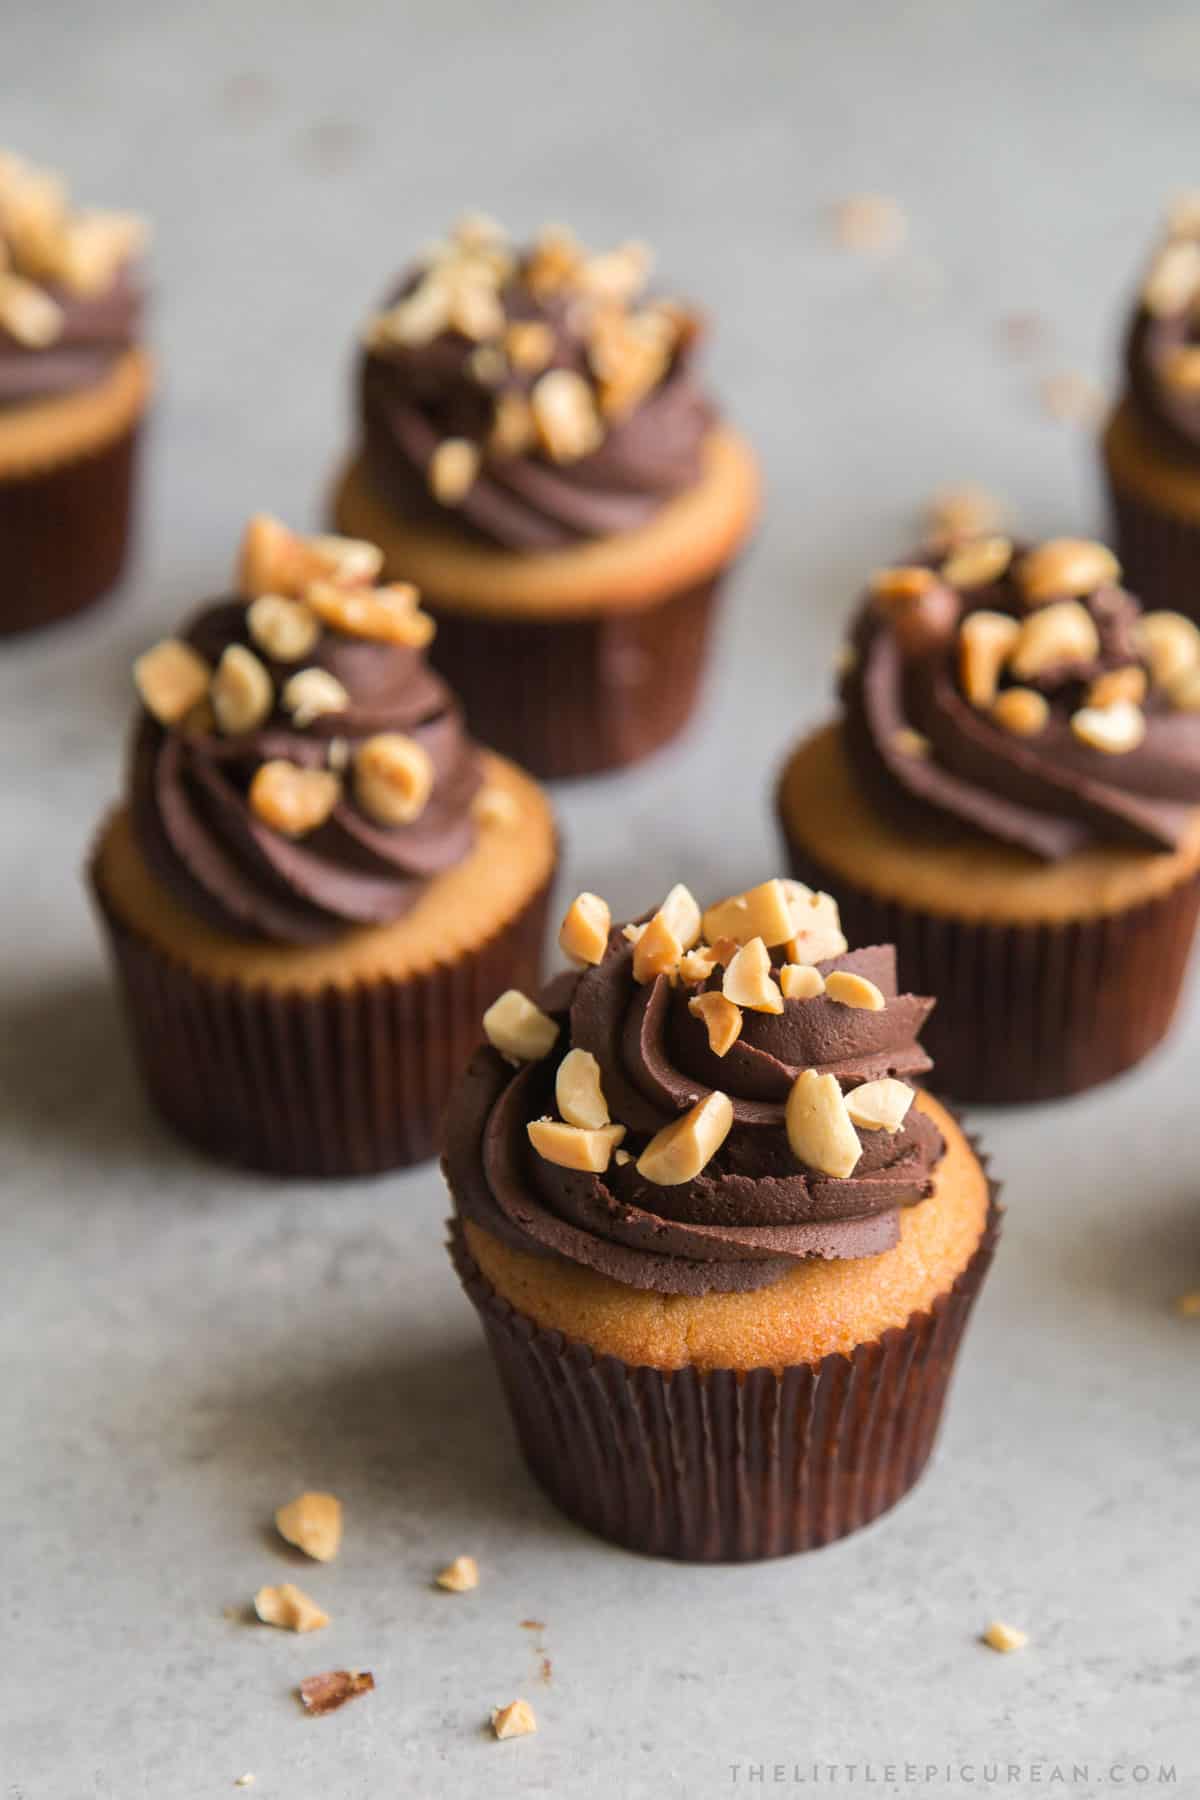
[[532, 397], [712, 1097], [1022, 692], [298, 768]]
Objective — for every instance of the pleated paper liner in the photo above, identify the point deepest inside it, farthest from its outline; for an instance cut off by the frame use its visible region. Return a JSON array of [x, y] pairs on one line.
[[727, 1466], [574, 696], [341, 1081], [1029, 1012], [64, 534]]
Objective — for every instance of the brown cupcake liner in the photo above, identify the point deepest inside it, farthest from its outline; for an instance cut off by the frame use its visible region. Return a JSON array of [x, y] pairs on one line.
[[64, 534], [1029, 1012], [725, 1466], [1159, 551], [570, 697], [338, 1081]]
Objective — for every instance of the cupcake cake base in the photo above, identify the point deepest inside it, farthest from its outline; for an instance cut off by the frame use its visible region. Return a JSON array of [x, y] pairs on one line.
[[581, 659], [67, 470], [1155, 496], [1050, 977], [335, 1059], [734, 1427]]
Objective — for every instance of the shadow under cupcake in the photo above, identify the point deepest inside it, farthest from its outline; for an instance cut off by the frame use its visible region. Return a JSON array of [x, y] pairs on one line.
[[538, 455], [1012, 797], [723, 1249], [318, 879]]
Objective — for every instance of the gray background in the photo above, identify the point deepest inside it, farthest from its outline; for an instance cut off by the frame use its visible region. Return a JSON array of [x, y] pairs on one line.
[[183, 1348]]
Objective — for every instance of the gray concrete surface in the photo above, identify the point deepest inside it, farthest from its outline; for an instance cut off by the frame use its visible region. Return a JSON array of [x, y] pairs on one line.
[[182, 1348]]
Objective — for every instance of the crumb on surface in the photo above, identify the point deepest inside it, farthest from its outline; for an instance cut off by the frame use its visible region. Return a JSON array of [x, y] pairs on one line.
[[1004, 1638], [313, 1523], [870, 222], [324, 1693], [1072, 398], [289, 1607]]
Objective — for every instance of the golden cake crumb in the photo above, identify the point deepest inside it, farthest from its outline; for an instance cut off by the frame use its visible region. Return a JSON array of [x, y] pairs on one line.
[[514, 1720]]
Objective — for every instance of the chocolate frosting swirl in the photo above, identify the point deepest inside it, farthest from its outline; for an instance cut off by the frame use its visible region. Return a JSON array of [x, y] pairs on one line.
[[96, 330], [754, 1211], [1162, 342], [930, 757], [415, 395], [198, 834]]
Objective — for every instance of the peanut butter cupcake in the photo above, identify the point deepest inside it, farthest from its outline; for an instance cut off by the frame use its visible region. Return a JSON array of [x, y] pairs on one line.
[[317, 880], [1012, 797], [1152, 441], [538, 454], [74, 385], [723, 1248]]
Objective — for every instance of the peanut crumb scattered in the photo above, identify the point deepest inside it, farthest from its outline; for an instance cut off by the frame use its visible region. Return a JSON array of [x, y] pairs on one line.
[[1072, 398], [514, 1720], [459, 1576], [870, 222], [1004, 1638], [326, 1692], [313, 1523], [1188, 1305], [290, 1608], [955, 514], [246, 1780]]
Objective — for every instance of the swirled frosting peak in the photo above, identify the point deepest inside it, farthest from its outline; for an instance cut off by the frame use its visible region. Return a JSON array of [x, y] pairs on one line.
[[1023, 693], [298, 768], [1162, 351], [533, 397], [712, 1098], [70, 302]]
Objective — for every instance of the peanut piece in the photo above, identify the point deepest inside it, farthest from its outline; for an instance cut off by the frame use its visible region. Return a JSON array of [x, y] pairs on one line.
[[819, 1128], [1004, 1638], [816, 925], [722, 1020], [452, 470], [578, 1093], [696, 965], [310, 693], [313, 1522], [564, 412], [1115, 729], [288, 1606], [849, 989], [529, 345], [1061, 633], [765, 911], [688, 1144], [1170, 643], [978, 563], [241, 693], [656, 951], [293, 800], [1174, 279], [985, 642], [880, 1105], [393, 778], [1118, 684], [748, 980], [171, 679], [514, 1720], [460, 1576], [388, 615], [1064, 568], [583, 934], [800, 981], [285, 629], [517, 1028], [908, 581], [28, 313], [574, 1146], [1021, 710]]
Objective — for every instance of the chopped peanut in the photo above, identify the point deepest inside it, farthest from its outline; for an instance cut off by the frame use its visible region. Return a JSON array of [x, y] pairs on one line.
[[517, 1028], [289, 1607], [764, 912], [880, 1105], [242, 693], [682, 1149], [1064, 568], [575, 1146], [819, 1128], [748, 980], [393, 778], [460, 1576], [171, 679], [722, 1020], [293, 800], [849, 989], [800, 981], [286, 630], [514, 1720], [583, 934], [578, 1093], [313, 1522]]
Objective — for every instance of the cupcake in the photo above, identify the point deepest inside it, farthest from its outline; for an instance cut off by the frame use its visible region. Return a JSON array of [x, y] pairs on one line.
[[1012, 797], [723, 1248], [539, 456], [1151, 445], [318, 879], [74, 385]]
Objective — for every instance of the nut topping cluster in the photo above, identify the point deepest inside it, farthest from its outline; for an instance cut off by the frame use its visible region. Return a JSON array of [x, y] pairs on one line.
[[296, 588], [47, 244], [785, 916], [476, 285], [1007, 663], [1172, 284]]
